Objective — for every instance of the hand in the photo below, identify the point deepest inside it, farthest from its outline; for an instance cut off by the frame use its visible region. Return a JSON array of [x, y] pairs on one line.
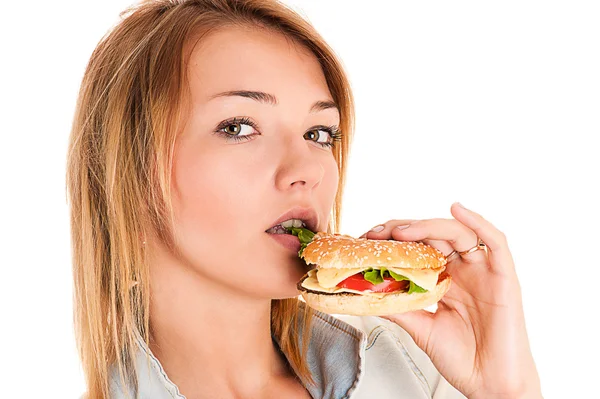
[[477, 338]]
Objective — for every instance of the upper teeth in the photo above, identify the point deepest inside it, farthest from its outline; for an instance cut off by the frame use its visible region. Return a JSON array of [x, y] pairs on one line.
[[292, 223]]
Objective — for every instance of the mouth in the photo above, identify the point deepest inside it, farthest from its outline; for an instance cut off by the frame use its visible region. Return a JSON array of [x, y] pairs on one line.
[[296, 217], [282, 228]]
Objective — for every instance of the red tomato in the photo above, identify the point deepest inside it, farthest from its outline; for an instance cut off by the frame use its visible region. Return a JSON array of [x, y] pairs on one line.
[[357, 282]]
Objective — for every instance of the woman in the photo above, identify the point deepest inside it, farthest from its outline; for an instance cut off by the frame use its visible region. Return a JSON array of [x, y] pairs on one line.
[[200, 125]]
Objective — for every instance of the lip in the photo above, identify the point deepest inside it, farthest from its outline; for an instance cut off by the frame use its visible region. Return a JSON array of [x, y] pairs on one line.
[[287, 241], [308, 215]]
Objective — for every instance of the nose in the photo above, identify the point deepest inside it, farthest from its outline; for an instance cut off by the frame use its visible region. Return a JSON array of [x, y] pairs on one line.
[[300, 167]]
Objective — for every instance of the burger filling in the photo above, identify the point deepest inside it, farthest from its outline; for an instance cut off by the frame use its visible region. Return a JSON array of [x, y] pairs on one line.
[[380, 280], [372, 281]]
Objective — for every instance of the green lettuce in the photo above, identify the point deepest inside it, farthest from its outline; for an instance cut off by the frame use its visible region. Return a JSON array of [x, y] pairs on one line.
[[304, 235], [376, 276]]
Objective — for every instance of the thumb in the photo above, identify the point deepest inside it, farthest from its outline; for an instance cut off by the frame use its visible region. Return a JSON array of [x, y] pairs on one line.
[[417, 324]]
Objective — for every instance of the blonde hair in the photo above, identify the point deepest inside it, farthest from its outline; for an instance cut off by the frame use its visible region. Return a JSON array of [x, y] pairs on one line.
[[131, 105]]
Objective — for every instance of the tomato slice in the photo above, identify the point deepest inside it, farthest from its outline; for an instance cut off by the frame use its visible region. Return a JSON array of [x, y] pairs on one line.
[[357, 282]]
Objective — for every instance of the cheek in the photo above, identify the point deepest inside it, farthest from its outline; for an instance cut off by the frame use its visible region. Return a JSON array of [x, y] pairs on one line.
[[330, 182], [212, 195], [212, 189]]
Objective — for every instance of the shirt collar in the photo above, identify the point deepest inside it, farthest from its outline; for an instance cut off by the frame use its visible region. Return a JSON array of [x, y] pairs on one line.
[[335, 357]]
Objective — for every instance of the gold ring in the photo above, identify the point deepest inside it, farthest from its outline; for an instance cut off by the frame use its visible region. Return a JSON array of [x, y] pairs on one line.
[[451, 254], [480, 245]]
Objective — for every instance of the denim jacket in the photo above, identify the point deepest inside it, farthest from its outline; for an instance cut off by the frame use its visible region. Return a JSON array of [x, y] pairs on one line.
[[350, 357]]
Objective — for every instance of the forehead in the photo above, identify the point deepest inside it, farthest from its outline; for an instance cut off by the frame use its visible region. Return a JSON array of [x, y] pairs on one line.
[[238, 58]]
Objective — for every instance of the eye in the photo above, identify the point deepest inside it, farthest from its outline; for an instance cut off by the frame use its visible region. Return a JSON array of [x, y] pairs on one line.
[[237, 129], [323, 135]]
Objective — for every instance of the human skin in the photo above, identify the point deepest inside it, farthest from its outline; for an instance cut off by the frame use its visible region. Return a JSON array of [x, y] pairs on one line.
[[477, 337], [210, 307]]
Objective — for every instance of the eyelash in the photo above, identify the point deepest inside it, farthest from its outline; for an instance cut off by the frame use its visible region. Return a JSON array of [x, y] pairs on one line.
[[333, 131]]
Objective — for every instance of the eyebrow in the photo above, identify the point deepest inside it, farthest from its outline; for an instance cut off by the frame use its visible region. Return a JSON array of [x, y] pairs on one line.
[[270, 99]]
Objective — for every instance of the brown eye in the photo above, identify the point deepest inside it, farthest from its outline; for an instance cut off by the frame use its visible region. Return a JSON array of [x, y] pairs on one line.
[[233, 129], [310, 135], [237, 129], [314, 135]]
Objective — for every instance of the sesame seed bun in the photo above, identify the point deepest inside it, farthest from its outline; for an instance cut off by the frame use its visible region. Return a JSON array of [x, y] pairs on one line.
[[364, 305], [342, 251]]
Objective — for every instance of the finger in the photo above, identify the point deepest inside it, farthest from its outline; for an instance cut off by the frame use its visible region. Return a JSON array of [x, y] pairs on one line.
[[417, 324], [499, 254], [383, 231], [456, 234], [493, 238], [443, 246]]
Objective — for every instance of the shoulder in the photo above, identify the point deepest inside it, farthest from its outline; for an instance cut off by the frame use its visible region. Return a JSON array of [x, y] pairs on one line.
[[392, 352]]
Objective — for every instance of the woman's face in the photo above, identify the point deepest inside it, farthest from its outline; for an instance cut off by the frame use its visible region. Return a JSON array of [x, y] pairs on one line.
[[234, 178]]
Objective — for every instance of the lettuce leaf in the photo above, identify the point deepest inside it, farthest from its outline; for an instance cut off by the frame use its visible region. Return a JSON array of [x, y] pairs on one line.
[[415, 288], [304, 235], [398, 277], [376, 276]]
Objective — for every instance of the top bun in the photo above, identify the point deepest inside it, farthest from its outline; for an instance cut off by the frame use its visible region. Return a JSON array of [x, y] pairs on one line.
[[340, 251]]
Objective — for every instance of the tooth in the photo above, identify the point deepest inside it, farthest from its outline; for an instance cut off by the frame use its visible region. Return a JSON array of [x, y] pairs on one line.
[[297, 223], [288, 223]]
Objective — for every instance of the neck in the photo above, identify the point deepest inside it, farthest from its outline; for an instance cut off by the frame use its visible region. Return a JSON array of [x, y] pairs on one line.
[[209, 338]]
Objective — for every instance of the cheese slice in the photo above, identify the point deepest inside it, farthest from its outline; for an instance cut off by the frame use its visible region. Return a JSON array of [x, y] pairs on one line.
[[425, 278], [312, 284], [329, 278]]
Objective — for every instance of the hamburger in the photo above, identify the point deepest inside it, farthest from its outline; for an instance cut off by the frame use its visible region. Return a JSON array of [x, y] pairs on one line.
[[358, 276]]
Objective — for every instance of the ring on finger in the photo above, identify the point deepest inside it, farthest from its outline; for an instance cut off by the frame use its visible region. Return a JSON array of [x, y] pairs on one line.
[[480, 245], [450, 255]]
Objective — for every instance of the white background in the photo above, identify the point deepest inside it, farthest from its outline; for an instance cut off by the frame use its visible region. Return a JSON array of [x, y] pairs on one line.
[[494, 104]]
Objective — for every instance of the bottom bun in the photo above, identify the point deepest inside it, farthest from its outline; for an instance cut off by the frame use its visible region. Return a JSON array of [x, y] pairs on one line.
[[365, 305]]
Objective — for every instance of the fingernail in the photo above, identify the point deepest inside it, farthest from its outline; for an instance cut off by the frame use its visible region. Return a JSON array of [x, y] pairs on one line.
[[461, 205], [377, 229], [402, 227]]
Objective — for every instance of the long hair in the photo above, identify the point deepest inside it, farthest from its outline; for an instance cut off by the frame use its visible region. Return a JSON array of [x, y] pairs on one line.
[[132, 103]]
